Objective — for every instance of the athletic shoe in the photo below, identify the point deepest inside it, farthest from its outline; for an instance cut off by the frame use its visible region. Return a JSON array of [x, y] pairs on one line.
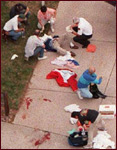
[[42, 58], [79, 94]]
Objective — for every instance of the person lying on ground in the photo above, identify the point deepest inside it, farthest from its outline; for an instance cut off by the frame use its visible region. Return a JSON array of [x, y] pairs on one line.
[[82, 30], [35, 46], [96, 121], [12, 29], [46, 15], [52, 44], [20, 9], [88, 77]]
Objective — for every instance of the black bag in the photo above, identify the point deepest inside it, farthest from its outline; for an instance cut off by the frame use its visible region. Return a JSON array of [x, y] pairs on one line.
[[95, 91], [78, 138]]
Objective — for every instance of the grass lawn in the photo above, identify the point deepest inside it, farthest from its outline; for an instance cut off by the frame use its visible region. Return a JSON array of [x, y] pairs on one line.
[[16, 74]]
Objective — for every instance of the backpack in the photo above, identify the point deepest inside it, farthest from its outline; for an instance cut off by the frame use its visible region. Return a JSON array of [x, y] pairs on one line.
[[78, 138]]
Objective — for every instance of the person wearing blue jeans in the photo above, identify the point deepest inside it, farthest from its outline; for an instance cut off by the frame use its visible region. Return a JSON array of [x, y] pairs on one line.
[[35, 46], [11, 28], [87, 78], [15, 35], [39, 50]]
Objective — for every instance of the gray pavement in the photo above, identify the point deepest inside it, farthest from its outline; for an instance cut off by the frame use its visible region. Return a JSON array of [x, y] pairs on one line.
[[44, 116]]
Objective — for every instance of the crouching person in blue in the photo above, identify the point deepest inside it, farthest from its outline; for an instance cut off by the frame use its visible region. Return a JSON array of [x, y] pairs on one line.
[[87, 78], [11, 27], [35, 46]]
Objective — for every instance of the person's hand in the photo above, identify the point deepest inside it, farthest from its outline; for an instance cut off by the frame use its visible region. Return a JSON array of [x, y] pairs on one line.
[[80, 128], [73, 120], [100, 80], [22, 29]]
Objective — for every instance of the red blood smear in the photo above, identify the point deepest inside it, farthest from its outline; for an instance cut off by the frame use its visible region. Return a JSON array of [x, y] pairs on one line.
[[47, 100], [37, 142], [28, 101], [46, 137]]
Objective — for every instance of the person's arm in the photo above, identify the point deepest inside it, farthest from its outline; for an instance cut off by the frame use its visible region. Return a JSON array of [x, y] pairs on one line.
[[97, 81], [19, 30], [54, 14], [27, 10], [84, 126], [43, 45], [73, 32], [39, 20], [16, 29]]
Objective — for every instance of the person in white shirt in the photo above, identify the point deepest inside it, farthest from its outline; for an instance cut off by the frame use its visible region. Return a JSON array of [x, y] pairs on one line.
[[11, 27], [82, 30], [35, 46]]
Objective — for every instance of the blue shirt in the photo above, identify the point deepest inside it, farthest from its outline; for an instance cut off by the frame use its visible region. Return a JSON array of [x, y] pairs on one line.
[[87, 78]]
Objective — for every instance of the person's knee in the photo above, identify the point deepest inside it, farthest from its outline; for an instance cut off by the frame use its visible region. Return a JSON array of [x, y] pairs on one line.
[[89, 95]]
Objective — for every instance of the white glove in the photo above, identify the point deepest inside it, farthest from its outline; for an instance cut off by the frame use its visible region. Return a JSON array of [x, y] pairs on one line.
[[68, 28], [73, 120], [14, 56]]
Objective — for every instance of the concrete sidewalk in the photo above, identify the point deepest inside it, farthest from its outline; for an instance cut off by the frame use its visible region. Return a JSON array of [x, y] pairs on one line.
[[49, 116]]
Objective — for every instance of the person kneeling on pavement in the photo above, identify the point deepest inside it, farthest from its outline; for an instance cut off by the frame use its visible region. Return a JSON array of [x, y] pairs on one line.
[[82, 30], [52, 44], [96, 121], [11, 28], [88, 77], [35, 46]]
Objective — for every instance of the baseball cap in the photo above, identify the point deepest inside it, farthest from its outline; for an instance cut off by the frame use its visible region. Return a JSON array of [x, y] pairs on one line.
[[22, 16]]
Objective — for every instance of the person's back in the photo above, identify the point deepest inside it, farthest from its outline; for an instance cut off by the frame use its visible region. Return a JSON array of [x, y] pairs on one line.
[[85, 26], [85, 79], [17, 9], [12, 24], [32, 43]]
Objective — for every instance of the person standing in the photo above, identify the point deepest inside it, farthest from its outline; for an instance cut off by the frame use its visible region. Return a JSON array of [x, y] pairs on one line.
[[96, 121], [46, 15], [88, 77], [83, 31], [11, 27], [35, 46]]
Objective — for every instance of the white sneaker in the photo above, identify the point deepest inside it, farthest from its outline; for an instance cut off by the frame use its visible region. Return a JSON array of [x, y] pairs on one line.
[[79, 94], [41, 58]]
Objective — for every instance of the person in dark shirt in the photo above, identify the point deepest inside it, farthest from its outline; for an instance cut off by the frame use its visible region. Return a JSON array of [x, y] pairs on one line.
[[20, 9], [89, 115]]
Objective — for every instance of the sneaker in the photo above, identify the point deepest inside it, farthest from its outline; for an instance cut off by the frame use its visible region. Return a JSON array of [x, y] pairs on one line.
[[74, 47], [26, 58], [79, 95], [72, 54], [102, 129], [41, 58]]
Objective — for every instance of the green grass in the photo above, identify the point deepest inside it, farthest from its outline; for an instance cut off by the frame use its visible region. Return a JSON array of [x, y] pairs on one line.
[[16, 74]]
